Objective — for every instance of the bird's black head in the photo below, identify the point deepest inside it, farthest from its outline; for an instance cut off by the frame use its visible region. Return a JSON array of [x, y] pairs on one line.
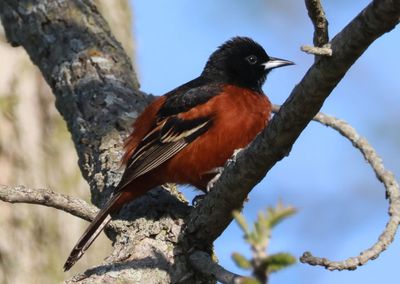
[[243, 62]]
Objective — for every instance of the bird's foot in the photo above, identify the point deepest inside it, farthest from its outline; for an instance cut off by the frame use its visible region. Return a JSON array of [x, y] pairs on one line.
[[217, 171]]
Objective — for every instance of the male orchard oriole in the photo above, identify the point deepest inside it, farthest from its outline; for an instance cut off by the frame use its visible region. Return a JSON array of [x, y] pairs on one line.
[[184, 135]]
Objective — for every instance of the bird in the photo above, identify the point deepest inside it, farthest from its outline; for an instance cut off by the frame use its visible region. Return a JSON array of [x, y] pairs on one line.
[[184, 136]]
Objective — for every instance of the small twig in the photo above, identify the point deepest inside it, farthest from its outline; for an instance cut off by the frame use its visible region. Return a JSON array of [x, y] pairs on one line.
[[321, 35], [326, 50], [46, 197], [318, 18], [203, 263], [392, 193]]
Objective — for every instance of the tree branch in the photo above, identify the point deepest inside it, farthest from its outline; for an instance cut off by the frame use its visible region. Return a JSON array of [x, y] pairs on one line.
[[318, 18], [49, 198], [275, 142], [203, 263], [321, 36]]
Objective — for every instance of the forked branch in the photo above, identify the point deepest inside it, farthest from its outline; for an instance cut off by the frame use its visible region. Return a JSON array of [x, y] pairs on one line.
[[321, 35]]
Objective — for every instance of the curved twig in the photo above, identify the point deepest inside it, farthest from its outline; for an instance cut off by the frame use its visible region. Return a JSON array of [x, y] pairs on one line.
[[46, 197], [392, 193]]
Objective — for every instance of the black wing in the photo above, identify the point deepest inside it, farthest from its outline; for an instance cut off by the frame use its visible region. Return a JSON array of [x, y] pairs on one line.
[[169, 137]]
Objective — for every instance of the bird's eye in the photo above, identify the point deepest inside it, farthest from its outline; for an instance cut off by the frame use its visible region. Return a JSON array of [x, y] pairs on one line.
[[252, 59]]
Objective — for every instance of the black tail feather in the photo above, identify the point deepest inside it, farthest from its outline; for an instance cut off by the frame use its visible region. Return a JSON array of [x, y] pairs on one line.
[[91, 233]]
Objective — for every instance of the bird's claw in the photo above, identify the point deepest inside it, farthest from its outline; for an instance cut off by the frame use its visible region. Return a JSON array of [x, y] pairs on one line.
[[218, 171]]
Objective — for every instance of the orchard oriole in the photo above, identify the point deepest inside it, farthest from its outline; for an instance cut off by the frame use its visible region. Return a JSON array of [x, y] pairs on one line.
[[182, 136]]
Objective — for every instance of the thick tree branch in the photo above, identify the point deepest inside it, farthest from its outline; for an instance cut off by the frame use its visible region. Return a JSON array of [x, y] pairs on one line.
[[46, 197], [203, 263], [275, 142]]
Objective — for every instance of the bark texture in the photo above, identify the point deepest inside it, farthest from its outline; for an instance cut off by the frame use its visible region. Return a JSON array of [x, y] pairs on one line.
[[34, 138]]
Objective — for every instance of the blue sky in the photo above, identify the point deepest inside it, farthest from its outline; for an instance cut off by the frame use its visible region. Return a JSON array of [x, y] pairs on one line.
[[341, 205]]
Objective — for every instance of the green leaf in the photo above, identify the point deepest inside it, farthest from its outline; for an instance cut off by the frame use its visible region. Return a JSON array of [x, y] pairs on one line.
[[278, 261], [278, 214], [241, 221], [241, 261]]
